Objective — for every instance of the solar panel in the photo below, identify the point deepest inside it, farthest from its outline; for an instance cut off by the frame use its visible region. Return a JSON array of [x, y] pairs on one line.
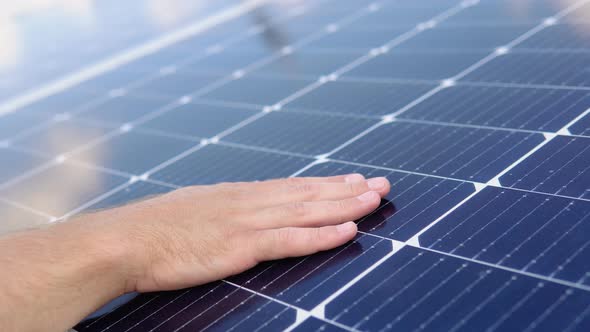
[[478, 112]]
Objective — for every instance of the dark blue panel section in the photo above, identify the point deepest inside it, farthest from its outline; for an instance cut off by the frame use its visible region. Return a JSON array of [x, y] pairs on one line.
[[15, 163], [562, 167], [421, 290], [418, 65], [306, 282], [406, 14], [61, 188], [555, 68], [174, 85], [198, 120], [467, 36], [133, 152], [257, 90], [582, 126], [16, 219], [218, 163], [121, 109], [216, 307], [62, 102], [518, 108], [506, 11], [563, 37], [530, 232], [314, 324], [308, 63], [355, 37], [113, 80], [359, 98], [305, 133], [457, 152], [15, 123], [226, 61], [132, 193], [414, 202], [61, 137]]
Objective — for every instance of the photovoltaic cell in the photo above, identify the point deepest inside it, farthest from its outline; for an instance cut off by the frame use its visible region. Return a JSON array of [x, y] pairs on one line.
[[257, 90], [467, 37], [359, 98], [425, 65], [457, 152], [559, 167], [530, 232], [310, 134], [133, 152], [218, 163], [121, 109], [582, 127], [505, 107], [198, 120], [545, 68]]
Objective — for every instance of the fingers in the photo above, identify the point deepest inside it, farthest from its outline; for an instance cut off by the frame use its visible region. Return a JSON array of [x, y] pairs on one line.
[[292, 241], [326, 191], [317, 213]]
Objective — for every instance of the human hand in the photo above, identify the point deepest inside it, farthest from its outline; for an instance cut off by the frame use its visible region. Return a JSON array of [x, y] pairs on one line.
[[200, 234]]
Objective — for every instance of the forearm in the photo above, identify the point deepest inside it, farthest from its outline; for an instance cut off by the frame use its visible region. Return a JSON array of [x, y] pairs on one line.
[[53, 277]]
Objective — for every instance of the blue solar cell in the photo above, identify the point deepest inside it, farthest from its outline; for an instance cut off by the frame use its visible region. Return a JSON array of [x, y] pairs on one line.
[[404, 14], [581, 127], [306, 282], [457, 152], [12, 124], [61, 188], [355, 37], [467, 37], [530, 232], [560, 37], [550, 68], [308, 63], [432, 65], [224, 62], [218, 163], [310, 134], [419, 290], [121, 109], [133, 152], [359, 97], [505, 107], [257, 90], [198, 120], [15, 163], [62, 102], [505, 11], [174, 84], [414, 203], [561, 167], [217, 306], [61, 137]]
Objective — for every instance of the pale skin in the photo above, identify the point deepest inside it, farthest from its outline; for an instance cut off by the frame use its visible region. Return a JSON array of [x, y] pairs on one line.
[[55, 276]]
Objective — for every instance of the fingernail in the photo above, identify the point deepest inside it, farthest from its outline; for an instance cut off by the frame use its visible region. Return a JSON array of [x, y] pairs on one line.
[[377, 183], [346, 228], [368, 196], [354, 178]]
